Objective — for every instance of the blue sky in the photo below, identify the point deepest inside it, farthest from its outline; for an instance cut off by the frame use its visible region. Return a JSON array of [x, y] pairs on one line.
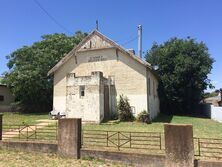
[[22, 22]]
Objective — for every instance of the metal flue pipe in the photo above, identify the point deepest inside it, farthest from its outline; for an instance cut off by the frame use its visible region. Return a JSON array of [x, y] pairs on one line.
[[140, 41]]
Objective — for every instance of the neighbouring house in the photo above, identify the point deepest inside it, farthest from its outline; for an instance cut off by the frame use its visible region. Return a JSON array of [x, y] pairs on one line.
[[212, 107], [216, 100], [90, 78], [6, 98]]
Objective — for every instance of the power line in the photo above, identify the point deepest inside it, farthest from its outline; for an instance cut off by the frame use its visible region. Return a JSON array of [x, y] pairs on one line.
[[51, 17], [129, 41]]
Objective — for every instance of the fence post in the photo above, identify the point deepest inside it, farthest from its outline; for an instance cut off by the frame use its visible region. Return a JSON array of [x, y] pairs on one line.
[[198, 146], [1, 115], [69, 137], [107, 138], [179, 145]]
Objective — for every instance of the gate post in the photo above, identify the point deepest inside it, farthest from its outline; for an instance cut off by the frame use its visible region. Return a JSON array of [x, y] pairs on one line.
[[179, 145], [1, 115], [69, 137]]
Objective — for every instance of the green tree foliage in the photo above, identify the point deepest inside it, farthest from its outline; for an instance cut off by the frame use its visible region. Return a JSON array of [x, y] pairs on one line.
[[1, 80], [28, 67], [124, 109], [144, 117], [183, 68]]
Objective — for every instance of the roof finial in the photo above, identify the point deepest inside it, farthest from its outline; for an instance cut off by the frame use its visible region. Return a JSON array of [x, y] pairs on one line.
[[97, 25]]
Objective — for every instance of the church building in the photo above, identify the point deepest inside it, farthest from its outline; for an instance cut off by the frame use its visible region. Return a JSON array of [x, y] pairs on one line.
[[90, 78]]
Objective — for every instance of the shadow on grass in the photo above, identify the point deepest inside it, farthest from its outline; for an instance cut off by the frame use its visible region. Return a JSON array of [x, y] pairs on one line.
[[163, 118], [32, 113]]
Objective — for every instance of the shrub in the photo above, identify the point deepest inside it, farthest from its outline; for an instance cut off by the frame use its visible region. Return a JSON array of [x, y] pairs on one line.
[[114, 116], [144, 117], [124, 109]]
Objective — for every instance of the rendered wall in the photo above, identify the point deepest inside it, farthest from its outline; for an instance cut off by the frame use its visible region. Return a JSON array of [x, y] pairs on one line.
[[130, 77], [153, 99], [90, 106]]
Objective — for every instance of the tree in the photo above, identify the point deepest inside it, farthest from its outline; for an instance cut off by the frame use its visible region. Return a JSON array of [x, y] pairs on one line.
[[124, 109], [183, 66], [28, 67]]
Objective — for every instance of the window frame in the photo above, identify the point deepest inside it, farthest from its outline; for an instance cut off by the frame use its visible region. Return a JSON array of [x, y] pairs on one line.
[[82, 89]]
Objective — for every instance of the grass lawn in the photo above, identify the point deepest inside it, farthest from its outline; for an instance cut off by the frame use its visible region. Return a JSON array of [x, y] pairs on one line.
[[202, 127], [11, 158], [17, 118]]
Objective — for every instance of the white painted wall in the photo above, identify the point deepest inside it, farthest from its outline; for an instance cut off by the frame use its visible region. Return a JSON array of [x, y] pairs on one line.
[[212, 112], [130, 78], [153, 99], [87, 107], [216, 113], [137, 102], [59, 103]]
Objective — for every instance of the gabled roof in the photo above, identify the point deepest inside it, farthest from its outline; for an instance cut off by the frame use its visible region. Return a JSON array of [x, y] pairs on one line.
[[86, 39]]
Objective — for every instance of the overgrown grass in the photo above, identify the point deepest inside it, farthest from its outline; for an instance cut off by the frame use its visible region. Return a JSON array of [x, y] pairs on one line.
[[202, 127], [11, 158], [19, 118]]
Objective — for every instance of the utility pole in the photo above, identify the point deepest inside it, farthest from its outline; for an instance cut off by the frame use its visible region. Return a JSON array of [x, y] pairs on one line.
[[221, 96]]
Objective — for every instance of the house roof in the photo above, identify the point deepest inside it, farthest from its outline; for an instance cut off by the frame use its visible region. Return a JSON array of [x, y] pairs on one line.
[[215, 98], [87, 38], [4, 85]]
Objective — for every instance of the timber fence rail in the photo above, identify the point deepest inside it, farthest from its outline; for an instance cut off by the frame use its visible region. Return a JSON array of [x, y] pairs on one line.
[[30, 132], [122, 140], [208, 148]]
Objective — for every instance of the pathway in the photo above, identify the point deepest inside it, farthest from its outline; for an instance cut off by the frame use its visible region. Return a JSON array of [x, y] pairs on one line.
[[26, 130]]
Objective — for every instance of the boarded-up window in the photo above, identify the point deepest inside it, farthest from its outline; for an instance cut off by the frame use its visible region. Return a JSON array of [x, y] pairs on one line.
[[1, 98], [82, 91]]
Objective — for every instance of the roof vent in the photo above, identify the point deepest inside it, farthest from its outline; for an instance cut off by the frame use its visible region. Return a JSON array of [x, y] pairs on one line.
[[131, 51]]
